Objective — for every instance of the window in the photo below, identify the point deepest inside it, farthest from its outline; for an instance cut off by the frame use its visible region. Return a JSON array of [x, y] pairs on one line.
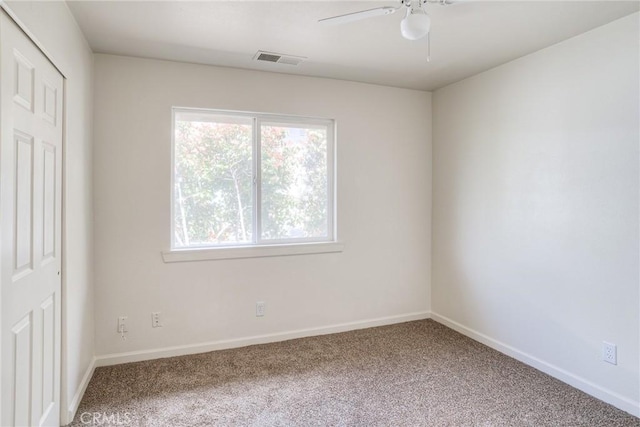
[[243, 179]]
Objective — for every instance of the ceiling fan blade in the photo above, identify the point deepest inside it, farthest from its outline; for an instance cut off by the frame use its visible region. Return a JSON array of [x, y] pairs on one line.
[[356, 16], [450, 2]]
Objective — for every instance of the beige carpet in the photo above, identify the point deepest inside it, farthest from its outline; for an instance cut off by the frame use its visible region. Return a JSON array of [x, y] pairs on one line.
[[411, 374]]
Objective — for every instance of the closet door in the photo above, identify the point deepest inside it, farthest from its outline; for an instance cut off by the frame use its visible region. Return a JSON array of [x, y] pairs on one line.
[[31, 96]]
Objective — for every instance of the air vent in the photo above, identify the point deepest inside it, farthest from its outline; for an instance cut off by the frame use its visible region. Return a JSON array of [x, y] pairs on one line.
[[278, 58], [268, 57]]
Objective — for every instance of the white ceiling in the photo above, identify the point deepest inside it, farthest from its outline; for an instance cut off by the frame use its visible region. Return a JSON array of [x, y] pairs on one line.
[[467, 38]]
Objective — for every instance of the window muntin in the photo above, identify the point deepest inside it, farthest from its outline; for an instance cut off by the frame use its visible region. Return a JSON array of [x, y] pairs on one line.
[[242, 179]]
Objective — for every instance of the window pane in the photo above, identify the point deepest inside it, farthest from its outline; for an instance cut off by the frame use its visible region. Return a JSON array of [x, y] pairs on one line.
[[213, 180], [294, 181]]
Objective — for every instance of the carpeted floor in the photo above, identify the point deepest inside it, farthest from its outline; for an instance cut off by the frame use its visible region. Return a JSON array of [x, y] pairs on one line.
[[411, 374]]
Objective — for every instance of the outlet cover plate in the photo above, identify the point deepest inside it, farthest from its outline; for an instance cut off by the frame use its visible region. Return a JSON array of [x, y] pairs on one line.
[[122, 324], [260, 308], [156, 321], [609, 353]]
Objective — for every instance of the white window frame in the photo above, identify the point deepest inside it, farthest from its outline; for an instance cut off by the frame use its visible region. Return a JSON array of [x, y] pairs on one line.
[[261, 247]]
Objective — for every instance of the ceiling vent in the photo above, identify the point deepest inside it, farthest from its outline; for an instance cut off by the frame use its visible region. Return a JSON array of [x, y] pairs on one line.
[[278, 58]]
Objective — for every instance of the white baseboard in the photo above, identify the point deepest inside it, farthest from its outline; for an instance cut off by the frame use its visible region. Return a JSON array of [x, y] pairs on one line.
[[75, 402], [580, 383], [137, 356]]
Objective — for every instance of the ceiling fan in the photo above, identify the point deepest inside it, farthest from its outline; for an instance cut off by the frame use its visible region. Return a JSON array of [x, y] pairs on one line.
[[414, 26]]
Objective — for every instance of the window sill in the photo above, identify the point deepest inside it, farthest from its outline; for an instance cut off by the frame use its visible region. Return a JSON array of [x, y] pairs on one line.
[[186, 255]]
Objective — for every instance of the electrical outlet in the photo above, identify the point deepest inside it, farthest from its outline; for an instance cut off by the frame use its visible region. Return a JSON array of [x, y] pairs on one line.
[[122, 325], [609, 353], [155, 320], [260, 308]]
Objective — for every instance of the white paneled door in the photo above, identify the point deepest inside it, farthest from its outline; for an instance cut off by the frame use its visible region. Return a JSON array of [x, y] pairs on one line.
[[31, 96]]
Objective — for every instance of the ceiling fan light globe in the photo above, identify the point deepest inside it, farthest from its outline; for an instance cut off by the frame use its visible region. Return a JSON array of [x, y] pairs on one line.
[[415, 26]]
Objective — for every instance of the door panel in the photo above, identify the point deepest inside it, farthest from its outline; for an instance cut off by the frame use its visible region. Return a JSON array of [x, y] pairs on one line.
[[21, 364], [30, 206], [49, 202], [23, 190]]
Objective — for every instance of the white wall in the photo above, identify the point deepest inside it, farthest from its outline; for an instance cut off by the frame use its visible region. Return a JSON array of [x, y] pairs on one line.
[[384, 172], [536, 209], [55, 29]]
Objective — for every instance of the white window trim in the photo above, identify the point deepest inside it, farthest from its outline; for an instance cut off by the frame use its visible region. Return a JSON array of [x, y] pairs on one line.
[[250, 251], [263, 248]]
